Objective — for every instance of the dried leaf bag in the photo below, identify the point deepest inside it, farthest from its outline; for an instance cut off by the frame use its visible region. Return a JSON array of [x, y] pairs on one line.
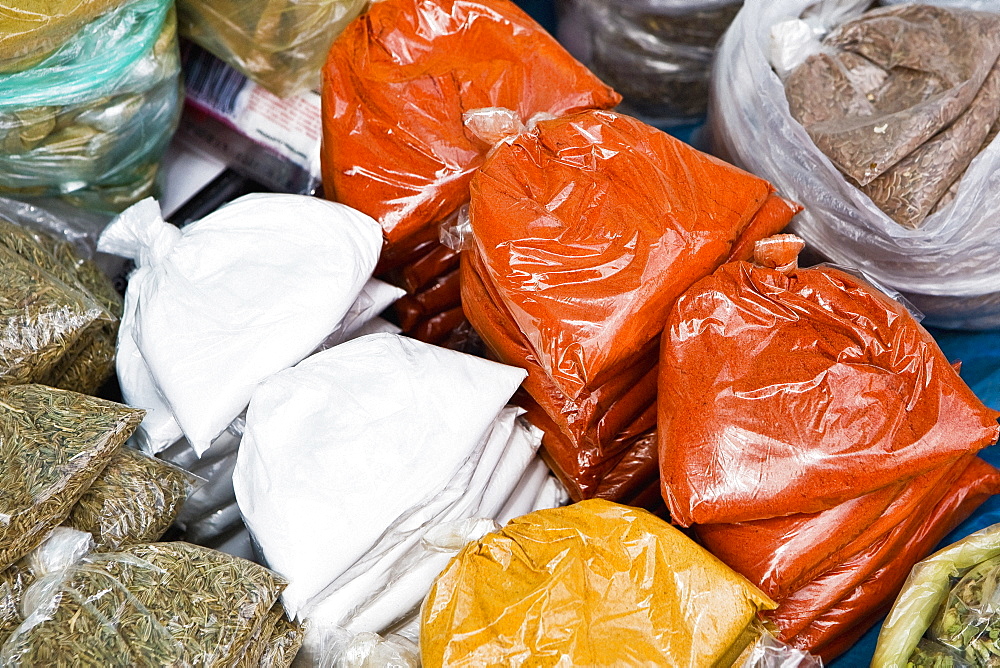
[[879, 123], [828, 462], [411, 171], [428, 423], [153, 604], [243, 293], [55, 443], [135, 499], [584, 232], [595, 584], [90, 122], [86, 363], [947, 609], [279, 44]]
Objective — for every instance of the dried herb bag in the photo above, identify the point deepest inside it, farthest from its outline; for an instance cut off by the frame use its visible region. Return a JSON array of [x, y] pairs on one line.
[[134, 500], [85, 365], [156, 604], [590, 584], [283, 646], [54, 444], [444, 57], [90, 122], [844, 394], [280, 44], [950, 596], [584, 232]]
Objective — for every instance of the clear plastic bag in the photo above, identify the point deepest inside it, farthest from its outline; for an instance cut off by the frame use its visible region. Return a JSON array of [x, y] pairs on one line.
[[280, 44], [155, 604], [594, 583], [769, 652], [54, 444], [135, 499], [91, 121], [946, 267], [586, 229], [926, 598], [426, 418], [227, 301], [657, 54]]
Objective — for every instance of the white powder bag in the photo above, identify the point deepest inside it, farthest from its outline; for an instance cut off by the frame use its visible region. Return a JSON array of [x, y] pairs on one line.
[[241, 294], [373, 438]]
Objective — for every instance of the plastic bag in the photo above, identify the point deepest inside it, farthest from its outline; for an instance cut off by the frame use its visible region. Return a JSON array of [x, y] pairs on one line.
[[245, 292], [946, 267], [411, 170], [62, 548], [280, 44], [594, 583], [658, 55], [424, 418], [586, 229], [135, 499], [61, 314], [155, 604], [91, 121], [33, 29], [376, 296], [844, 388], [54, 444], [925, 596], [769, 652], [901, 123]]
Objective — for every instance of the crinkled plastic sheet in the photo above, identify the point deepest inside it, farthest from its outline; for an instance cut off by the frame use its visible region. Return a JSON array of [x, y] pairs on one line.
[[280, 44], [947, 267], [91, 121]]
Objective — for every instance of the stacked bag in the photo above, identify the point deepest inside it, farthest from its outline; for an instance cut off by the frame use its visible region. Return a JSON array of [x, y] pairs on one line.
[[366, 466], [829, 461], [411, 171], [91, 98], [583, 233]]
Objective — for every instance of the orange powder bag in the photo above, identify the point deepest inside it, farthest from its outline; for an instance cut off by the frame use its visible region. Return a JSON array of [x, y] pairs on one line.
[[592, 584], [787, 393], [395, 86], [584, 232]]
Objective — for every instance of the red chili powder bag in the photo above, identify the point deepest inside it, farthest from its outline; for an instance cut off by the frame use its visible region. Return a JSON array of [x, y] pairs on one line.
[[585, 230], [395, 86], [782, 394]]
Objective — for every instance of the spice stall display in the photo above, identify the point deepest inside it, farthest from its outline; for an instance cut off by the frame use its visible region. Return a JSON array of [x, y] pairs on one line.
[[842, 450], [592, 584], [584, 231], [150, 604], [411, 171], [257, 286], [882, 130], [91, 120], [946, 614], [656, 53], [427, 444]]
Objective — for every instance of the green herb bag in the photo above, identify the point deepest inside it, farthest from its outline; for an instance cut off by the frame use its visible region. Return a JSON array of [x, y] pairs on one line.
[[62, 548], [948, 613], [134, 500], [53, 444], [84, 365], [157, 604], [284, 644], [90, 122]]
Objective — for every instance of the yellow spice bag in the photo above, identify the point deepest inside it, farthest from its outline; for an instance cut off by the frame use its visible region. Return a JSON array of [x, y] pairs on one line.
[[592, 584]]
